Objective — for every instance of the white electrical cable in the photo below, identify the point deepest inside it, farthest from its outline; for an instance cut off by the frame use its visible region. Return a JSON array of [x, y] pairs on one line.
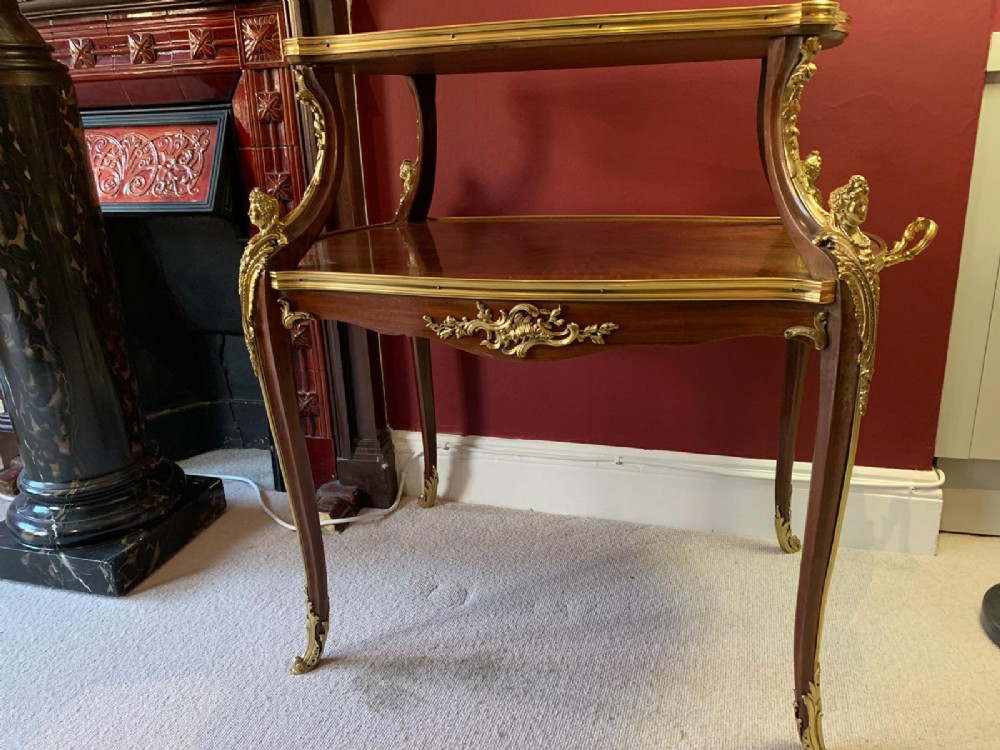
[[374, 515]]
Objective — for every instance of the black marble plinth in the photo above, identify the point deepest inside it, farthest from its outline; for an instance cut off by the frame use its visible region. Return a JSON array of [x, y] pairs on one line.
[[115, 568]]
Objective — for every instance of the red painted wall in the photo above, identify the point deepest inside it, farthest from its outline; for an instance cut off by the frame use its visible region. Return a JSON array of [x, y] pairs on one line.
[[898, 102]]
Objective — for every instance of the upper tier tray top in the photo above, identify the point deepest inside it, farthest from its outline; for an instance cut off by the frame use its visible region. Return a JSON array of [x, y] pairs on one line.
[[564, 259], [575, 42]]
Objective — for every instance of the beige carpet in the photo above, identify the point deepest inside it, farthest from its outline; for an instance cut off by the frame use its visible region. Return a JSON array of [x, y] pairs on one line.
[[470, 627]]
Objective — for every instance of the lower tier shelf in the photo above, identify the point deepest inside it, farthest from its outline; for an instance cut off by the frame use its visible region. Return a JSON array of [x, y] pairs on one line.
[[651, 258]]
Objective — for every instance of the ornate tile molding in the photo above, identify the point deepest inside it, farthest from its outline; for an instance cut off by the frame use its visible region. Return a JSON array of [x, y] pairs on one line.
[[82, 53], [261, 38], [202, 44], [269, 108], [279, 184], [142, 49], [308, 404]]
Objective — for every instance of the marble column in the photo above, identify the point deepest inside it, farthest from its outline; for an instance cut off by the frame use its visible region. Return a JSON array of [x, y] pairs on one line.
[[93, 511]]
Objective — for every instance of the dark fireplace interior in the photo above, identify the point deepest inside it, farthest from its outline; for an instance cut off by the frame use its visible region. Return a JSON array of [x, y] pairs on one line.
[[176, 270]]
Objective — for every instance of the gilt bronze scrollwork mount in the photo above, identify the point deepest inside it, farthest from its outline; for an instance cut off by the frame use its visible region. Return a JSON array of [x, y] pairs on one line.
[[291, 318], [788, 542], [265, 214], [840, 225], [816, 333], [316, 632], [858, 265], [515, 332], [428, 495]]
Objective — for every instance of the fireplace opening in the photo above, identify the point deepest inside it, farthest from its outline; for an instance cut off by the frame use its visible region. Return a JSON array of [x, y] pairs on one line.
[[174, 209]]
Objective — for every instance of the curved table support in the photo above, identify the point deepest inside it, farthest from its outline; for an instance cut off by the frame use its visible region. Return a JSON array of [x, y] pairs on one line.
[[428, 427], [418, 177], [277, 378], [833, 459], [281, 243], [799, 340], [414, 205], [796, 363], [847, 362]]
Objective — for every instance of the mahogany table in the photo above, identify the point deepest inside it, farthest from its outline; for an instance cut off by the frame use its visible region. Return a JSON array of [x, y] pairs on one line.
[[545, 287]]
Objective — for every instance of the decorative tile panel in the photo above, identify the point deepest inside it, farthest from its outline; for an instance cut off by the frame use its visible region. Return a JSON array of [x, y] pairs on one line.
[[261, 37], [308, 404], [302, 337], [279, 161], [161, 164], [279, 184], [269, 108], [82, 53], [142, 49], [202, 44]]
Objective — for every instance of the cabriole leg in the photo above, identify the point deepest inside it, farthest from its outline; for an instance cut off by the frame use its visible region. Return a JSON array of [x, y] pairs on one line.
[[428, 428], [278, 385], [791, 406], [833, 460]]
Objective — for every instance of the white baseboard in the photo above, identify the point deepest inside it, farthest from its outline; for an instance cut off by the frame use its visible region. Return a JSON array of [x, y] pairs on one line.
[[892, 510]]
